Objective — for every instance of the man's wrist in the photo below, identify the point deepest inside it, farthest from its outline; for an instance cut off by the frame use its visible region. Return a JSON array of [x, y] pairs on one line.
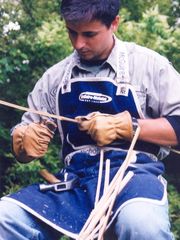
[[135, 125]]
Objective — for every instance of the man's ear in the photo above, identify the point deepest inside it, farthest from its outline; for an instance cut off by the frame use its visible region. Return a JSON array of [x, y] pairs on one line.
[[115, 23]]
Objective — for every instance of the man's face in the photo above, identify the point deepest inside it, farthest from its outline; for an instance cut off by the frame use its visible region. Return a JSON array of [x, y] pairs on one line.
[[92, 40]]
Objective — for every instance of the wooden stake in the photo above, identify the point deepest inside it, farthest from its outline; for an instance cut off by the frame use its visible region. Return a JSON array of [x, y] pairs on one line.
[[61, 118]]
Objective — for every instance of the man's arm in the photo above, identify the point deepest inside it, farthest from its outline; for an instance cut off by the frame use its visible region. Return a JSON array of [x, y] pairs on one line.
[[104, 129], [158, 131]]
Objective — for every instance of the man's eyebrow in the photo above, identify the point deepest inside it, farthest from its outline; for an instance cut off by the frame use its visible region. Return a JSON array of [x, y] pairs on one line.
[[86, 32]]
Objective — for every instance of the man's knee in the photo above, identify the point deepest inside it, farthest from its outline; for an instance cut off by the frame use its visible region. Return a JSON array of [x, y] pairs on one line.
[[143, 220], [11, 214], [7, 209]]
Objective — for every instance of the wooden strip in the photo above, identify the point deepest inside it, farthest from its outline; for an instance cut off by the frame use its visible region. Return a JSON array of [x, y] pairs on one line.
[[99, 176], [61, 118], [103, 205]]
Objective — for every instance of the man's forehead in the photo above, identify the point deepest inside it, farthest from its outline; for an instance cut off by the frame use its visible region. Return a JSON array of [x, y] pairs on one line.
[[92, 26]]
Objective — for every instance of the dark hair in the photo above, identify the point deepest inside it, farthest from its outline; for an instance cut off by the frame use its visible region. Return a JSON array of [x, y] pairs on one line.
[[88, 10]]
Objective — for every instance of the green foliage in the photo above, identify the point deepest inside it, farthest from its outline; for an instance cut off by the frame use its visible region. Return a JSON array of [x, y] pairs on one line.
[[27, 48], [138, 7], [174, 202], [20, 175], [152, 31], [64, 238]]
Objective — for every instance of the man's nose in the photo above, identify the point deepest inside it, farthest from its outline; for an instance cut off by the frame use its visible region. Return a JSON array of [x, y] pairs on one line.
[[79, 42]]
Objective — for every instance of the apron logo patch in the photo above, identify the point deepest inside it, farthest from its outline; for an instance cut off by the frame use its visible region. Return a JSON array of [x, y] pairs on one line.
[[122, 90], [94, 97]]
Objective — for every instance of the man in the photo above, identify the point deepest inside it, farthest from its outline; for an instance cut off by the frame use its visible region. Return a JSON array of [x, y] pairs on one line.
[[109, 87]]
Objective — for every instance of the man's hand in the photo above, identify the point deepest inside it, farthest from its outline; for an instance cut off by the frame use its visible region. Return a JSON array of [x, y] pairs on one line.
[[105, 128], [31, 141]]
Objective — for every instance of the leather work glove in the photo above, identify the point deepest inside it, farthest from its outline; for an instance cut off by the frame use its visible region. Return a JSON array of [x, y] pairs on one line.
[[105, 128], [31, 141]]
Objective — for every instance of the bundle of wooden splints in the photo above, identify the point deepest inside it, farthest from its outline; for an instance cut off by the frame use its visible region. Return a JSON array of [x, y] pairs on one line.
[[97, 221]]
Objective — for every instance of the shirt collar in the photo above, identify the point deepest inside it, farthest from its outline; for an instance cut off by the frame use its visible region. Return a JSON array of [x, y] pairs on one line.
[[111, 60]]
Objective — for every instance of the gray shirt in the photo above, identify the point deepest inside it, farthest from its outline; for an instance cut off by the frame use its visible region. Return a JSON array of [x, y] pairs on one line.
[[156, 82]]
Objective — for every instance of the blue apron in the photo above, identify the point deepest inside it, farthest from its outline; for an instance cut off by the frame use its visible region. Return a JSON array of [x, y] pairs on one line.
[[68, 211]]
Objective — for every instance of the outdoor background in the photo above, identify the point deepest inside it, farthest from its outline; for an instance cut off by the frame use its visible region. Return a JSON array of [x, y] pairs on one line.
[[33, 37]]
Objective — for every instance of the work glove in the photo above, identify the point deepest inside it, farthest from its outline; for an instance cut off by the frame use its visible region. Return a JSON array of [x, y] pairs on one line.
[[31, 141], [105, 128]]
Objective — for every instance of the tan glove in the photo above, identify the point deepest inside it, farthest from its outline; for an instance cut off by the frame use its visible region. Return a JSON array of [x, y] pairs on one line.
[[105, 128], [31, 141]]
